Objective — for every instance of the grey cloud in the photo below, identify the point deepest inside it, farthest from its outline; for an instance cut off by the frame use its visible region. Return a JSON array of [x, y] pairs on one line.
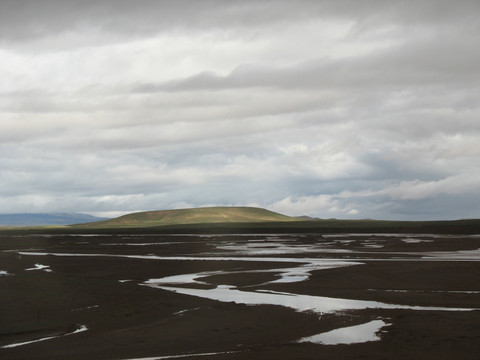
[[386, 128], [32, 19], [27, 20], [432, 62]]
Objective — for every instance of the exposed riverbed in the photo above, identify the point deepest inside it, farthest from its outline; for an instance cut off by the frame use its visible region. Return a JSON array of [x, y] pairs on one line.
[[235, 296]]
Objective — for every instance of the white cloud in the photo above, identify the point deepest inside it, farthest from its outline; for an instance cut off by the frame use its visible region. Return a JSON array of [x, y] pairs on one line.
[[325, 206], [459, 184], [330, 109]]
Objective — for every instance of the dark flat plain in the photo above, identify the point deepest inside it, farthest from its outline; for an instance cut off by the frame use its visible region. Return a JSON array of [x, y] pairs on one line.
[[126, 320]]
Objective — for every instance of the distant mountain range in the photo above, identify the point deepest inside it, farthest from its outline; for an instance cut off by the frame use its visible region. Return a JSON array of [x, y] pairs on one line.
[[306, 218], [45, 219]]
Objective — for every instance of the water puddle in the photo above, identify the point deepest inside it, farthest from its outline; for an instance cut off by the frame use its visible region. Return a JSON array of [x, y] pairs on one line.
[[266, 247], [466, 255], [373, 246], [69, 235], [321, 263], [80, 329], [45, 268], [181, 356], [145, 244], [348, 335], [181, 312], [428, 291], [415, 240], [460, 255]]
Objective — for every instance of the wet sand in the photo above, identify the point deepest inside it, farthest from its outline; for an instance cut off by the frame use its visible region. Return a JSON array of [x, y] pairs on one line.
[[104, 291]]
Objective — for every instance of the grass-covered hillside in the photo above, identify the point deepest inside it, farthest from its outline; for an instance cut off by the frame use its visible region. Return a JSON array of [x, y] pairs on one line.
[[206, 215]]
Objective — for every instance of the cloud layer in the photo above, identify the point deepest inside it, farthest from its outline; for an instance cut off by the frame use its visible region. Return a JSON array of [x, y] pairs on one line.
[[341, 109]]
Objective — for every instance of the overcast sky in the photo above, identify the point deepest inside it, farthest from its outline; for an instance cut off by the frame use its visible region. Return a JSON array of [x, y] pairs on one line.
[[345, 109]]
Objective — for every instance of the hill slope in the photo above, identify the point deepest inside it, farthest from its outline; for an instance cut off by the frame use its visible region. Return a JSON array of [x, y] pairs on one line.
[[204, 215], [43, 219]]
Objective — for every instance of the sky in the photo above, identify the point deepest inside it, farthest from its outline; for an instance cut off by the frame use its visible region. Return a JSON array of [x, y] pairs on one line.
[[334, 109]]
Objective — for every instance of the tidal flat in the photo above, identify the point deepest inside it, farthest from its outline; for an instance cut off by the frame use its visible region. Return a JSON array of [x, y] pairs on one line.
[[239, 296]]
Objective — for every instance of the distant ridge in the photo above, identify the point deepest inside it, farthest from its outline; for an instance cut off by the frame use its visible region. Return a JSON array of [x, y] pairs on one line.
[[306, 218], [45, 219], [205, 215]]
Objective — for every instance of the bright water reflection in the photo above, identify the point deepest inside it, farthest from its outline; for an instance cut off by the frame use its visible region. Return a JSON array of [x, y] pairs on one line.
[[79, 329], [298, 302], [349, 335]]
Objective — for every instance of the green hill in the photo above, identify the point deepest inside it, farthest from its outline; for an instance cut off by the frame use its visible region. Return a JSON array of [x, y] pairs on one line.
[[204, 215]]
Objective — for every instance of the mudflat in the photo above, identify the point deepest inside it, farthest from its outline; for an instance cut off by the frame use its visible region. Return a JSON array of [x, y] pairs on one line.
[[261, 296]]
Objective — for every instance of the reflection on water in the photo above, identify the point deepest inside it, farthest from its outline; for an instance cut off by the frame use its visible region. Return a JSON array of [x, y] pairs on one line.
[[40, 267], [349, 335], [184, 356], [428, 291], [415, 240], [298, 302], [80, 329], [473, 255], [277, 248]]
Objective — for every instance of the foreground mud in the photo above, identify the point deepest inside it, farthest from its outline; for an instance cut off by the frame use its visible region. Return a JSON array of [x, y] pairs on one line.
[[241, 296]]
